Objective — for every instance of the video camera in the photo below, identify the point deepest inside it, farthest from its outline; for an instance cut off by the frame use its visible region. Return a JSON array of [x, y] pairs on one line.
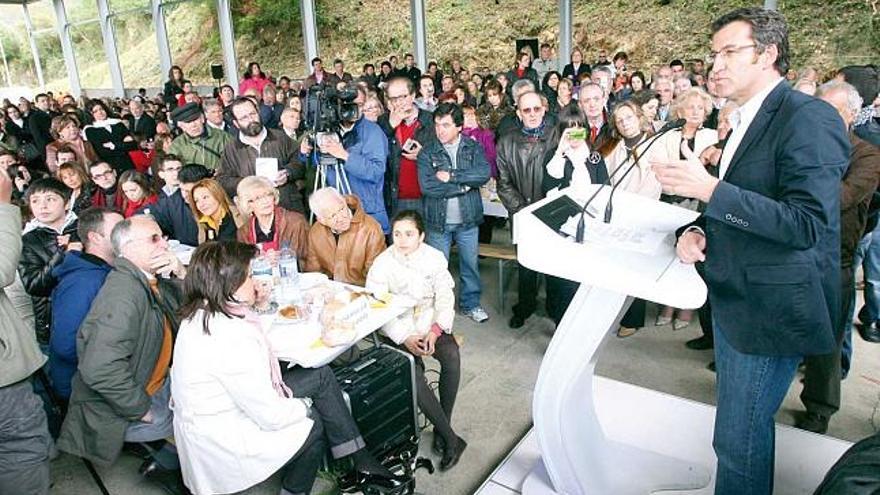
[[327, 107]]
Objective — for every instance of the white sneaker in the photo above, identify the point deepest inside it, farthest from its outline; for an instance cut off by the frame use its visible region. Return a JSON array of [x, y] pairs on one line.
[[478, 314]]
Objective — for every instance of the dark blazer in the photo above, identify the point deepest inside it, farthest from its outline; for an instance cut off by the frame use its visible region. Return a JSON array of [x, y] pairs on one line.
[[146, 126], [118, 156], [569, 72], [773, 230]]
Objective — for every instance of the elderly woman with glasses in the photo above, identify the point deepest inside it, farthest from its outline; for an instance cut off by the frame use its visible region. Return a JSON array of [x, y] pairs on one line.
[[266, 224]]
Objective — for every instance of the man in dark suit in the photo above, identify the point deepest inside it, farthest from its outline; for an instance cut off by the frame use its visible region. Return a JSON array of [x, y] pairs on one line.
[[139, 122], [769, 237], [39, 123]]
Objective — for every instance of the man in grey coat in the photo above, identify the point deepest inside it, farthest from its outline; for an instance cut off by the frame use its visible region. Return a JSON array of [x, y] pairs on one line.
[[24, 437], [121, 390]]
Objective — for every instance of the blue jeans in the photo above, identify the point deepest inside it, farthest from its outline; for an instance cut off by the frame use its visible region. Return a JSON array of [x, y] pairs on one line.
[[867, 255], [750, 389], [467, 239]]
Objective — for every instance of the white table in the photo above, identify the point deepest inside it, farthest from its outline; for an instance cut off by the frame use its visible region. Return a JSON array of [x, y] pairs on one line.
[[300, 344]]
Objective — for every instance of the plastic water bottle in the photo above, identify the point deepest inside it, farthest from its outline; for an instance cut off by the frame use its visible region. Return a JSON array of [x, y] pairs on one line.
[[289, 274]]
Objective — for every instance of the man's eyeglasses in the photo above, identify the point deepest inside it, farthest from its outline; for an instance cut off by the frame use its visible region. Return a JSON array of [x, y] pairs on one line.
[[531, 110], [151, 239], [726, 53], [106, 175]]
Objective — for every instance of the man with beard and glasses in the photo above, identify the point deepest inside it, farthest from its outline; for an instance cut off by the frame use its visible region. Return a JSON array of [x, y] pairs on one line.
[[257, 143]]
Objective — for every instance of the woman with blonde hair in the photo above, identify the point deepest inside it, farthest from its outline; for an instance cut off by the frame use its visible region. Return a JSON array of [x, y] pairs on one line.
[[266, 224], [216, 216]]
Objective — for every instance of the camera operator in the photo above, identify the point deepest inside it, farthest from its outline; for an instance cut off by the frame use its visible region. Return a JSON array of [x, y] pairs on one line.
[[359, 145], [18, 173]]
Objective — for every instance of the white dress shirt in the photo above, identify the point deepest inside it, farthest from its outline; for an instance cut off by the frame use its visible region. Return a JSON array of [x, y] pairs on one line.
[[740, 120]]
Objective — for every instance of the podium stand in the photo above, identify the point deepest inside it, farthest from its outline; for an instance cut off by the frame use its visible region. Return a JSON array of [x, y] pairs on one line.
[[577, 455]]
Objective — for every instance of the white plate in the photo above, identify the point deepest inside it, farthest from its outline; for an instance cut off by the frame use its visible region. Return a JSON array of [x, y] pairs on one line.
[[311, 279]]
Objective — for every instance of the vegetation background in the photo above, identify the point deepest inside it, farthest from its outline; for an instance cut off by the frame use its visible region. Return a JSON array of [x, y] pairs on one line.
[[824, 33]]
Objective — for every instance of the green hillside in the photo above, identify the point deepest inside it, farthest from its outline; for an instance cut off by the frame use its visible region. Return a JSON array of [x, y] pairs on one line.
[[479, 32]]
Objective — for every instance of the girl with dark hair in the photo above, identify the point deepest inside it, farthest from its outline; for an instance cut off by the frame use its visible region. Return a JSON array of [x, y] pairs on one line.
[[233, 402], [138, 192], [385, 73], [173, 86], [523, 70], [75, 177], [253, 78], [109, 137], [550, 88], [413, 268], [573, 163]]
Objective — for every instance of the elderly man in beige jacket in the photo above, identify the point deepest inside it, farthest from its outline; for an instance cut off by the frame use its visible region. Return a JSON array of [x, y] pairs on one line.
[[24, 439]]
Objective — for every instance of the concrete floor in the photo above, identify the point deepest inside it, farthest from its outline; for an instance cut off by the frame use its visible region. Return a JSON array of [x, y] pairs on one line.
[[500, 366]]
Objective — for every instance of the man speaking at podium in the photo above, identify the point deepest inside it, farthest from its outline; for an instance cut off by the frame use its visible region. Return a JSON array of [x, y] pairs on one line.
[[769, 237]]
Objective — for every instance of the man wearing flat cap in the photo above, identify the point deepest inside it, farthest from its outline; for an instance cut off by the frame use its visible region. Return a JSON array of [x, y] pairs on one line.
[[197, 143]]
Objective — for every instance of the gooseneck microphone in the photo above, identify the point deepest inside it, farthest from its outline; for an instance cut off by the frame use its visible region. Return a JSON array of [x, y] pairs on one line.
[[579, 235], [677, 124]]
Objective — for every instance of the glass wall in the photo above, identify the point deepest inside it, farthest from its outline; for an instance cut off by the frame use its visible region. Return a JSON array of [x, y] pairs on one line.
[[136, 45], [367, 35], [269, 32], [194, 39]]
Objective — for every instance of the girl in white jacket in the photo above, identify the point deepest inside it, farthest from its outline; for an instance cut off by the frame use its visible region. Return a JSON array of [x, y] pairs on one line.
[[415, 269]]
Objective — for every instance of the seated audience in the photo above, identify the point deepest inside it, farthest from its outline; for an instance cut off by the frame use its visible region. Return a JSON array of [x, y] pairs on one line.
[[268, 225], [231, 396], [198, 143], [75, 177], [120, 391], [345, 240], [413, 268], [46, 240], [109, 137], [173, 213], [217, 218], [80, 276], [67, 134], [138, 192], [107, 192]]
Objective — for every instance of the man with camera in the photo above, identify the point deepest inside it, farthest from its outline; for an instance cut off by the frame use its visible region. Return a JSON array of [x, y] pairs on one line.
[[261, 151], [359, 148], [408, 129]]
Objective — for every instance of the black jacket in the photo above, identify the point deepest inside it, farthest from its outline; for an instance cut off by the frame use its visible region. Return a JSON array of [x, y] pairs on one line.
[[569, 72], [146, 126], [424, 135], [39, 124], [118, 156], [175, 218], [40, 253], [521, 162]]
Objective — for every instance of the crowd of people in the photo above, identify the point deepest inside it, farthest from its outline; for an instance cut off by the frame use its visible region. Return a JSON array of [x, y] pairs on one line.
[[94, 189]]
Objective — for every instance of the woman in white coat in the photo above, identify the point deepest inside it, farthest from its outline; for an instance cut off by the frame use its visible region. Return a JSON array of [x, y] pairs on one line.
[[237, 420], [694, 105], [413, 268]]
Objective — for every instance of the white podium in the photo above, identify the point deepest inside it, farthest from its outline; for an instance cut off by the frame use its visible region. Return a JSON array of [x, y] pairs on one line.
[[668, 447]]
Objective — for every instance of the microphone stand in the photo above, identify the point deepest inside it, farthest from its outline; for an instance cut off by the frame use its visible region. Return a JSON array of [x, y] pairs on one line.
[[579, 234]]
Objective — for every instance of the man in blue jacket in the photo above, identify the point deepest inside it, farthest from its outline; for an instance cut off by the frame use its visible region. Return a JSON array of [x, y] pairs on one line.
[[451, 170], [80, 277], [364, 151], [769, 237]]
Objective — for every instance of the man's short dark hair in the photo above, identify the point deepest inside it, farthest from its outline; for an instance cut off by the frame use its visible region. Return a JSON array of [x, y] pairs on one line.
[[410, 87], [241, 100], [676, 63], [368, 65], [47, 184], [451, 109], [192, 173], [337, 61], [40, 95], [545, 45], [768, 28], [170, 157], [283, 78], [91, 220], [316, 59], [432, 64], [621, 56], [408, 55]]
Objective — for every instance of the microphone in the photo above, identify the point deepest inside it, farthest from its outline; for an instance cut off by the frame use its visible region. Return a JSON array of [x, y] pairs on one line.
[[579, 235], [675, 124]]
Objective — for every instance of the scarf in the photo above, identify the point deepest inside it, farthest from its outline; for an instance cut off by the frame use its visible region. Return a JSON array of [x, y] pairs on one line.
[[211, 222], [102, 124], [274, 368], [537, 132]]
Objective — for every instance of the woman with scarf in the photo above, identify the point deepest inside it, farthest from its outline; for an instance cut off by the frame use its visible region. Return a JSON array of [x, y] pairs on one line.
[[218, 219], [266, 224], [138, 192], [109, 137], [66, 131], [238, 419]]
